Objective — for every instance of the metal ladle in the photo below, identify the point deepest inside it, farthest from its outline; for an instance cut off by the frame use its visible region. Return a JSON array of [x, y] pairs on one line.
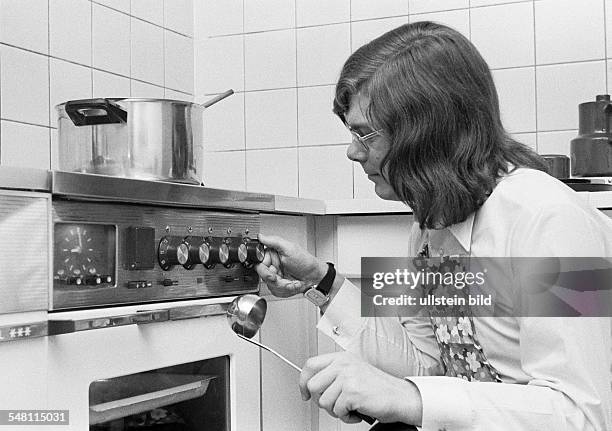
[[246, 314]]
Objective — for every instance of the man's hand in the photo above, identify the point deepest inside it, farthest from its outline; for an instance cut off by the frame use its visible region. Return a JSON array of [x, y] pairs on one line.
[[341, 383]]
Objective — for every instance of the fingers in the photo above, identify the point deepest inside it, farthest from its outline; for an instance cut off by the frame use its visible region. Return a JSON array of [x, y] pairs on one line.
[[313, 366], [275, 242]]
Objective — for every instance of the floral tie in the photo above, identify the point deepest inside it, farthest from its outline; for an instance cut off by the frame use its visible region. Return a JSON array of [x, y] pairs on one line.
[[460, 352]]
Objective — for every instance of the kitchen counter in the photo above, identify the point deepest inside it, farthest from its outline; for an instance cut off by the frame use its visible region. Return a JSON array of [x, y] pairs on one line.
[[90, 187]]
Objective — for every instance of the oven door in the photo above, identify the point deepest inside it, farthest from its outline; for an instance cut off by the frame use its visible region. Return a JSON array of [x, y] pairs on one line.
[[176, 367]]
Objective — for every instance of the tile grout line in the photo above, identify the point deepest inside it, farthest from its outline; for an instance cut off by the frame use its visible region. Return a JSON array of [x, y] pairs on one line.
[[535, 76], [297, 100]]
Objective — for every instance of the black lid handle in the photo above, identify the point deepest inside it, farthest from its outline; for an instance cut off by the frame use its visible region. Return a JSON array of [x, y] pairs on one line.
[[90, 112]]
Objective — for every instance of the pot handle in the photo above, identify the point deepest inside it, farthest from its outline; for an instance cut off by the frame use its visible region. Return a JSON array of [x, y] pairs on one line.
[[89, 112]]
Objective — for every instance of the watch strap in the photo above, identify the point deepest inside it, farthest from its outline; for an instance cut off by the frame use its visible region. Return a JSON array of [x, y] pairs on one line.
[[327, 281]]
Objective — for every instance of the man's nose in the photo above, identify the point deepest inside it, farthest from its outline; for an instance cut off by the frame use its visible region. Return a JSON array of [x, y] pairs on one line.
[[356, 153]]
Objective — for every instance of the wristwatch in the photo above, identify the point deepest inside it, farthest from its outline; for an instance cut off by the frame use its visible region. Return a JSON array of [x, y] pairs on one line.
[[318, 294]]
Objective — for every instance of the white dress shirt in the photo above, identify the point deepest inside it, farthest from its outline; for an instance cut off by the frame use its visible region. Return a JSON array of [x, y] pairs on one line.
[[555, 371]]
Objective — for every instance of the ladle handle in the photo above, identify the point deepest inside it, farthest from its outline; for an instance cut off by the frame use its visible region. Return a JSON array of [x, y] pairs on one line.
[[274, 352], [370, 420]]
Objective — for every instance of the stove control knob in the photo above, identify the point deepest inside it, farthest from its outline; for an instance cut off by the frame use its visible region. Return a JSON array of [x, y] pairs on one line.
[[218, 252], [251, 252], [172, 251], [197, 250], [237, 251]]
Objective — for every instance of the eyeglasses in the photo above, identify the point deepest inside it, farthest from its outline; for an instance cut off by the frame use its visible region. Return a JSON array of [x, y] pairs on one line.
[[363, 139]]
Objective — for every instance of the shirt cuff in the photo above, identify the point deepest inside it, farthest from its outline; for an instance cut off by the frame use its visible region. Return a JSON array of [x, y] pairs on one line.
[[445, 403], [342, 319]]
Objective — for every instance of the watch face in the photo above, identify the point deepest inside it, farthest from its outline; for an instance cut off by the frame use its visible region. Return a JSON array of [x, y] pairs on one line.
[[316, 297]]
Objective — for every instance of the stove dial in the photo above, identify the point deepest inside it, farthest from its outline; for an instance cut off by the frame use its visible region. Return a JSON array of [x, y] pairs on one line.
[[251, 252], [238, 251], [218, 252], [199, 251], [172, 251]]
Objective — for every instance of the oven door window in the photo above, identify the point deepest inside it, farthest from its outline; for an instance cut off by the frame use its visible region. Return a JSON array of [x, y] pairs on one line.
[[186, 397]]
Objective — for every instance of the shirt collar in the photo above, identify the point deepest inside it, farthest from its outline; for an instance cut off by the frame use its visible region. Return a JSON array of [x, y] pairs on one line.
[[463, 232], [457, 243]]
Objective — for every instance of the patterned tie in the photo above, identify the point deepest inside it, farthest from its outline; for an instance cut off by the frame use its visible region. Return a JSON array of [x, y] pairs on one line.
[[460, 352]]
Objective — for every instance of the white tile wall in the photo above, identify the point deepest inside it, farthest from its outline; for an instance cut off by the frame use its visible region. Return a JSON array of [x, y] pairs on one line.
[[529, 139], [556, 142], [261, 15], [24, 86], [321, 52], [269, 60], [213, 18], [516, 90], [562, 87], [458, 19], [224, 124], [366, 9], [111, 40], [24, 23], [147, 52], [364, 31], [271, 119], [272, 171], [325, 173], [560, 30], [225, 170], [504, 34], [421, 6], [317, 124], [70, 30], [57, 50], [219, 65], [24, 145], [318, 12]]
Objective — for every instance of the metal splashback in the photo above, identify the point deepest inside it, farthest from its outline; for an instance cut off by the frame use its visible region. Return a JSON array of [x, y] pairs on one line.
[[80, 186]]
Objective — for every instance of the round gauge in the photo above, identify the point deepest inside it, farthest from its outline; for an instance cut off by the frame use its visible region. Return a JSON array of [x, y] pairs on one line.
[[82, 252]]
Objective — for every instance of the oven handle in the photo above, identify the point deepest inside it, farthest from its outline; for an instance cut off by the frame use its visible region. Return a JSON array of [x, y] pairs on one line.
[[57, 327]]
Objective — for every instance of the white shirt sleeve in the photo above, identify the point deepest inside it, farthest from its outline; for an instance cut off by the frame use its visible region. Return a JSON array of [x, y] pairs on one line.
[[401, 347]]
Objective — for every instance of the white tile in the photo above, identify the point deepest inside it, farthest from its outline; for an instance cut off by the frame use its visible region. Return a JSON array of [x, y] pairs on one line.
[[609, 67], [270, 60], [364, 31], [477, 3], [25, 23], [556, 142], [325, 173], [562, 87], [317, 124], [224, 124], [179, 62], [24, 86], [148, 91], [321, 52], [363, 188], [367, 9], [504, 34], [213, 18], [177, 95], [108, 85], [219, 65], [54, 150], [561, 34], [318, 12], [147, 45], [458, 19], [24, 145], [111, 40], [529, 139], [516, 90], [225, 170], [422, 6], [121, 5], [608, 6], [272, 171], [149, 10], [178, 16], [70, 30], [261, 15], [271, 119], [68, 82]]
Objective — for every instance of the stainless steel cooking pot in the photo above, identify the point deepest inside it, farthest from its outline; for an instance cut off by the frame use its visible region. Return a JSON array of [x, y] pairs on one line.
[[151, 139], [591, 150]]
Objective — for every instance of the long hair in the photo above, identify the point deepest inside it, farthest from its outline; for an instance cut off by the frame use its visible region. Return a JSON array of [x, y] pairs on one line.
[[433, 95]]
